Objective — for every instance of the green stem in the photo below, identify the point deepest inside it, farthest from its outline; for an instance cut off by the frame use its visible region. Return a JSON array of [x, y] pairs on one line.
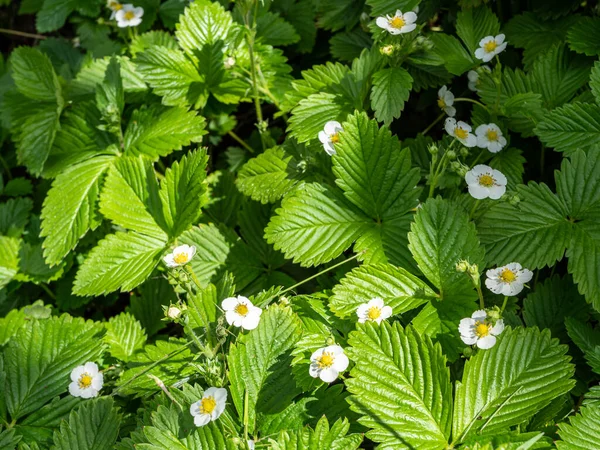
[[47, 290], [470, 100], [206, 323], [250, 35], [504, 304], [246, 415], [474, 208], [240, 141], [480, 294], [439, 170], [440, 117], [478, 157], [22, 33]]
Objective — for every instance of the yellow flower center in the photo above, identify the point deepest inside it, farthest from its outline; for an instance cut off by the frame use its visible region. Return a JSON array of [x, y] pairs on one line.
[[207, 405], [441, 103], [397, 22], [325, 360], [482, 329], [508, 276], [490, 46], [241, 309], [85, 381], [373, 313], [486, 180], [335, 138], [181, 258], [492, 135], [461, 133], [129, 15]]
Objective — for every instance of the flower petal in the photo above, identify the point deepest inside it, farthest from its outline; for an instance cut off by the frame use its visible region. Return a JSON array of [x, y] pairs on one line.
[[487, 342], [341, 362], [201, 420], [328, 375]]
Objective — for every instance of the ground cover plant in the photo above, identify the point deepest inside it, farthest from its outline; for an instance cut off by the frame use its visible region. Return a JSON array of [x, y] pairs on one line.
[[299, 224]]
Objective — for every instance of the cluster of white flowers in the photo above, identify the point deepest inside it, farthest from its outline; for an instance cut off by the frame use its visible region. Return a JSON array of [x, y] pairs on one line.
[[126, 15]]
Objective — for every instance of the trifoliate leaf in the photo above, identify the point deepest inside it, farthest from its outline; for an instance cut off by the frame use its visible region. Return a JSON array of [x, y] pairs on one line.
[[400, 386], [157, 131], [440, 236], [125, 336], [120, 261], [323, 437], [94, 425], [585, 37], [391, 88], [502, 387], [70, 207], [571, 127], [399, 289], [473, 24], [582, 431]]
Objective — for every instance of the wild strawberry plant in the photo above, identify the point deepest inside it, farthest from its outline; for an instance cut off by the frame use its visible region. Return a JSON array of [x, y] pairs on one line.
[[300, 224]]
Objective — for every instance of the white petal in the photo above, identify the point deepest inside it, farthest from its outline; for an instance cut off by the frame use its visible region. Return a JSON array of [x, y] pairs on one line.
[[450, 125], [512, 266], [480, 54], [77, 372], [332, 127], [408, 28], [394, 31], [201, 420], [250, 322], [170, 260], [465, 126], [482, 141], [498, 328], [341, 363], [487, 342], [233, 318], [478, 192], [480, 169], [91, 368], [195, 408], [469, 340], [139, 11], [485, 40], [487, 57], [362, 310], [317, 354], [376, 302], [480, 314], [442, 91], [88, 393], [450, 110], [499, 177], [500, 49], [335, 350], [382, 22], [313, 370], [74, 389], [386, 312], [473, 75], [98, 381], [524, 276], [410, 17], [229, 303], [473, 86], [328, 375], [323, 137], [471, 140], [220, 395], [494, 285], [512, 289], [471, 177], [495, 192], [210, 392], [493, 146], [493, 273], [329, 149], [499, 39]]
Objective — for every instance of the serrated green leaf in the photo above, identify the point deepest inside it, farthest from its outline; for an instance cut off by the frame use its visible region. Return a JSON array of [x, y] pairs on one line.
[[212, 250], [507, 384], [10, 324], [587, 339], [275, 30], [524, 112], [456, 58], [440, 236], [391, 88], [382, 7], [157, 131], [398, 289], [182, 192], [53, 14], [154, 38], [14, 216], [36, 137], [125, 336], [400, 386], [585, 37], [40, 358], [314, 225], [146, 304], [473, 24], [92, 426], [571, 127], [120, 261], [17, 187], [110, 97], [595, 81], [34, 76], [348, 45], [582, 431], [70, 207], [321, 438], [33, 267], [258, 355], [510, 162]]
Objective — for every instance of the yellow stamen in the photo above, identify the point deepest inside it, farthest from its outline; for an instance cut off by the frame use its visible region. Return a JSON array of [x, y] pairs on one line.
[[325, 360], [207, 405], [85, 381], [492, 135], [486, 180], [335, 138], [441, 103], [241, 309], [373, 313], [129, 15], [397, 22], [181, 258], [461, 133], [508, 276], [490, 46], [117, 6], [482, 329]]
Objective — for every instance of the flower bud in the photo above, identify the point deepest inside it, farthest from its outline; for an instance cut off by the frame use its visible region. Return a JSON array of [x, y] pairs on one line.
[[173, 312], [451, 155], [229, 62], [433, 149], [462, 266], [387, 50]]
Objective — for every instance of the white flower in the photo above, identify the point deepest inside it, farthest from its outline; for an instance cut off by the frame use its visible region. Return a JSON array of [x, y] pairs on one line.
[[484, 182], [507, 280], [489, 47], [330, 136], [398, 23], [209, 407], [477, 330], [375, 310], [240, 312], [473, 77], [173, 312], [490, 136], [229, 62], [180, 255], [251, 444], [129, 16], [86, 381], [114, 6], [446, 100], [461, 131], [327, 363]]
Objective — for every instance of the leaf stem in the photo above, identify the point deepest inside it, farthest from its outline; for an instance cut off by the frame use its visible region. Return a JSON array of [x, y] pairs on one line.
[[440, 117], [240, 141], [504, 304], [464, 99], [480, 294], [474, 208], [22, 34]]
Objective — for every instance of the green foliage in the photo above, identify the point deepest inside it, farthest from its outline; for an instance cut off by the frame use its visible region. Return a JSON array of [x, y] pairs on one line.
[[391, 88], [582, 431], [124, 336], [323, 437]]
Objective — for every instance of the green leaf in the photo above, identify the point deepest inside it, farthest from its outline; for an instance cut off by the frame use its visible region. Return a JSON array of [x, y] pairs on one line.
[[212, 250], [17, 187], [154, 38], [172, 76], [274, 30], [313, 112], [337, 14], [440, 236], [321, 438], [157, 131], [587, 339], [120, 261], [391, 88], [70, 207], [14, 215], [154, 361], [372, 171], [595, 81], [585, 37], [473, 24], [34, 76], [92, 426], [456, 58], [269, 176], [401, 387], [507, 384], [571, 127], [110, 97], [40, 358], [130, 196], [9, 259], [382, 7], [10, 324], [182, 192], [582, 431], [125, 336], [535, 231], [53, 14], [146, 304], [398, 289], [584, 257], [314, 225], [510, 162], [33, 267], [257, 356], [35, 138], [346, 46]]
